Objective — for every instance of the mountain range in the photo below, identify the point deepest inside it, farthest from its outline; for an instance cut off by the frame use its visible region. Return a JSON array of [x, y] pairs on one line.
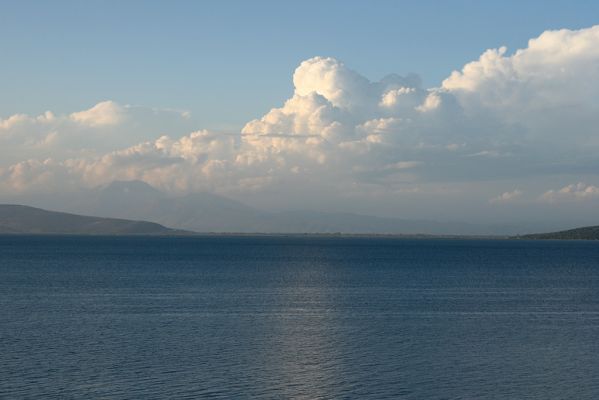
[[207, 212], [19, 219]]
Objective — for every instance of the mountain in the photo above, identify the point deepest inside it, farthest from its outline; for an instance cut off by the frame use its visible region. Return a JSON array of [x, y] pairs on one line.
[[200, 212], [23, 219], [584, 233], [208, 212]]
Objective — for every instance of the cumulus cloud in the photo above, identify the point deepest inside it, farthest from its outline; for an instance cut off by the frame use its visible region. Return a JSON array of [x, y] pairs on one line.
[[193, 162], [506, 197], [548, 90], [555, 59], [574, 192], [103, 113], [432, 102], [106, 126], [37, 176], [504, 116]]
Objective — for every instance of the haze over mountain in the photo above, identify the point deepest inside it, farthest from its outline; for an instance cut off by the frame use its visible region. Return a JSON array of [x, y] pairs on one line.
[[17, 219], [206, 212]]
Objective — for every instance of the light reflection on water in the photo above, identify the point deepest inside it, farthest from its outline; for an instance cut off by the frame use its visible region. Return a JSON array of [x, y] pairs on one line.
[[298, 318]]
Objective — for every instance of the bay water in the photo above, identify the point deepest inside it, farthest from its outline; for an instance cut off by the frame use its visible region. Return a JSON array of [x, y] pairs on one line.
[[299, 317]]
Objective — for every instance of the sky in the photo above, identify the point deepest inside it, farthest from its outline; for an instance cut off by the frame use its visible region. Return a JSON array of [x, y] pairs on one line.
[[457, 110]]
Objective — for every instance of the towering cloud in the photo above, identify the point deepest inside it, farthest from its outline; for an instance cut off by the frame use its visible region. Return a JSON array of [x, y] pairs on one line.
[[533, 113]]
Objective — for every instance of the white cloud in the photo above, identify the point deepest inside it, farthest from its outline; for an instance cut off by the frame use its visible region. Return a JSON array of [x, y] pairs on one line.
[[574, 192], [107, 126], [432, 102], [13, 121], [396, 97], [329, 78], [196, 161], [506, 197], [557, 70], [35, 176], [103, 113], [531, 113]]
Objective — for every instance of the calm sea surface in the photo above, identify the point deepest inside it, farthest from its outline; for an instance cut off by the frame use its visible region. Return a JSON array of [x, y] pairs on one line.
[[300, 318]]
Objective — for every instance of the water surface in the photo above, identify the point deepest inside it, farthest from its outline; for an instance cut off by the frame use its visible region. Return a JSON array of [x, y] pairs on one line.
[[297, 317]]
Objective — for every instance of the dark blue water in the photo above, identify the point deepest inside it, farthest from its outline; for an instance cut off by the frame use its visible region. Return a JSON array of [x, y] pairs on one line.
[[301, 318]]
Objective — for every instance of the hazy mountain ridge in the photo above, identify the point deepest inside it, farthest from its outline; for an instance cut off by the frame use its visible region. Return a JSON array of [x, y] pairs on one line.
[[18, 219], [211, 213]]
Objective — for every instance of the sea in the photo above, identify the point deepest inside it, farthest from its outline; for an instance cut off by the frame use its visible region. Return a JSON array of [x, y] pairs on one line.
[[297, 317]]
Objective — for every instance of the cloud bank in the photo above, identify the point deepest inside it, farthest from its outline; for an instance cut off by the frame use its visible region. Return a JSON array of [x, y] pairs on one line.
[[526, 115], [575, 192]]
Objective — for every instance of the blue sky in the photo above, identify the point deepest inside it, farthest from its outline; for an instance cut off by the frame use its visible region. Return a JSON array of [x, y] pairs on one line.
[[229, 62], [288, 105]]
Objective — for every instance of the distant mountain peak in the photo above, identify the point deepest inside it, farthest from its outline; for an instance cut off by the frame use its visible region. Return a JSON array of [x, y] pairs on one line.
[[211, 212], [131, 187]]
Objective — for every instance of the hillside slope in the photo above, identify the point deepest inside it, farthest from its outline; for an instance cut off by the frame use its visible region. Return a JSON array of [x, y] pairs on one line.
[[584, 233], [16, 219]]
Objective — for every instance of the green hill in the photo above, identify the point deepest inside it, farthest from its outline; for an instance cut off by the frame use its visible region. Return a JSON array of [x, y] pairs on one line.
[[18, 219], [585, 233]]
